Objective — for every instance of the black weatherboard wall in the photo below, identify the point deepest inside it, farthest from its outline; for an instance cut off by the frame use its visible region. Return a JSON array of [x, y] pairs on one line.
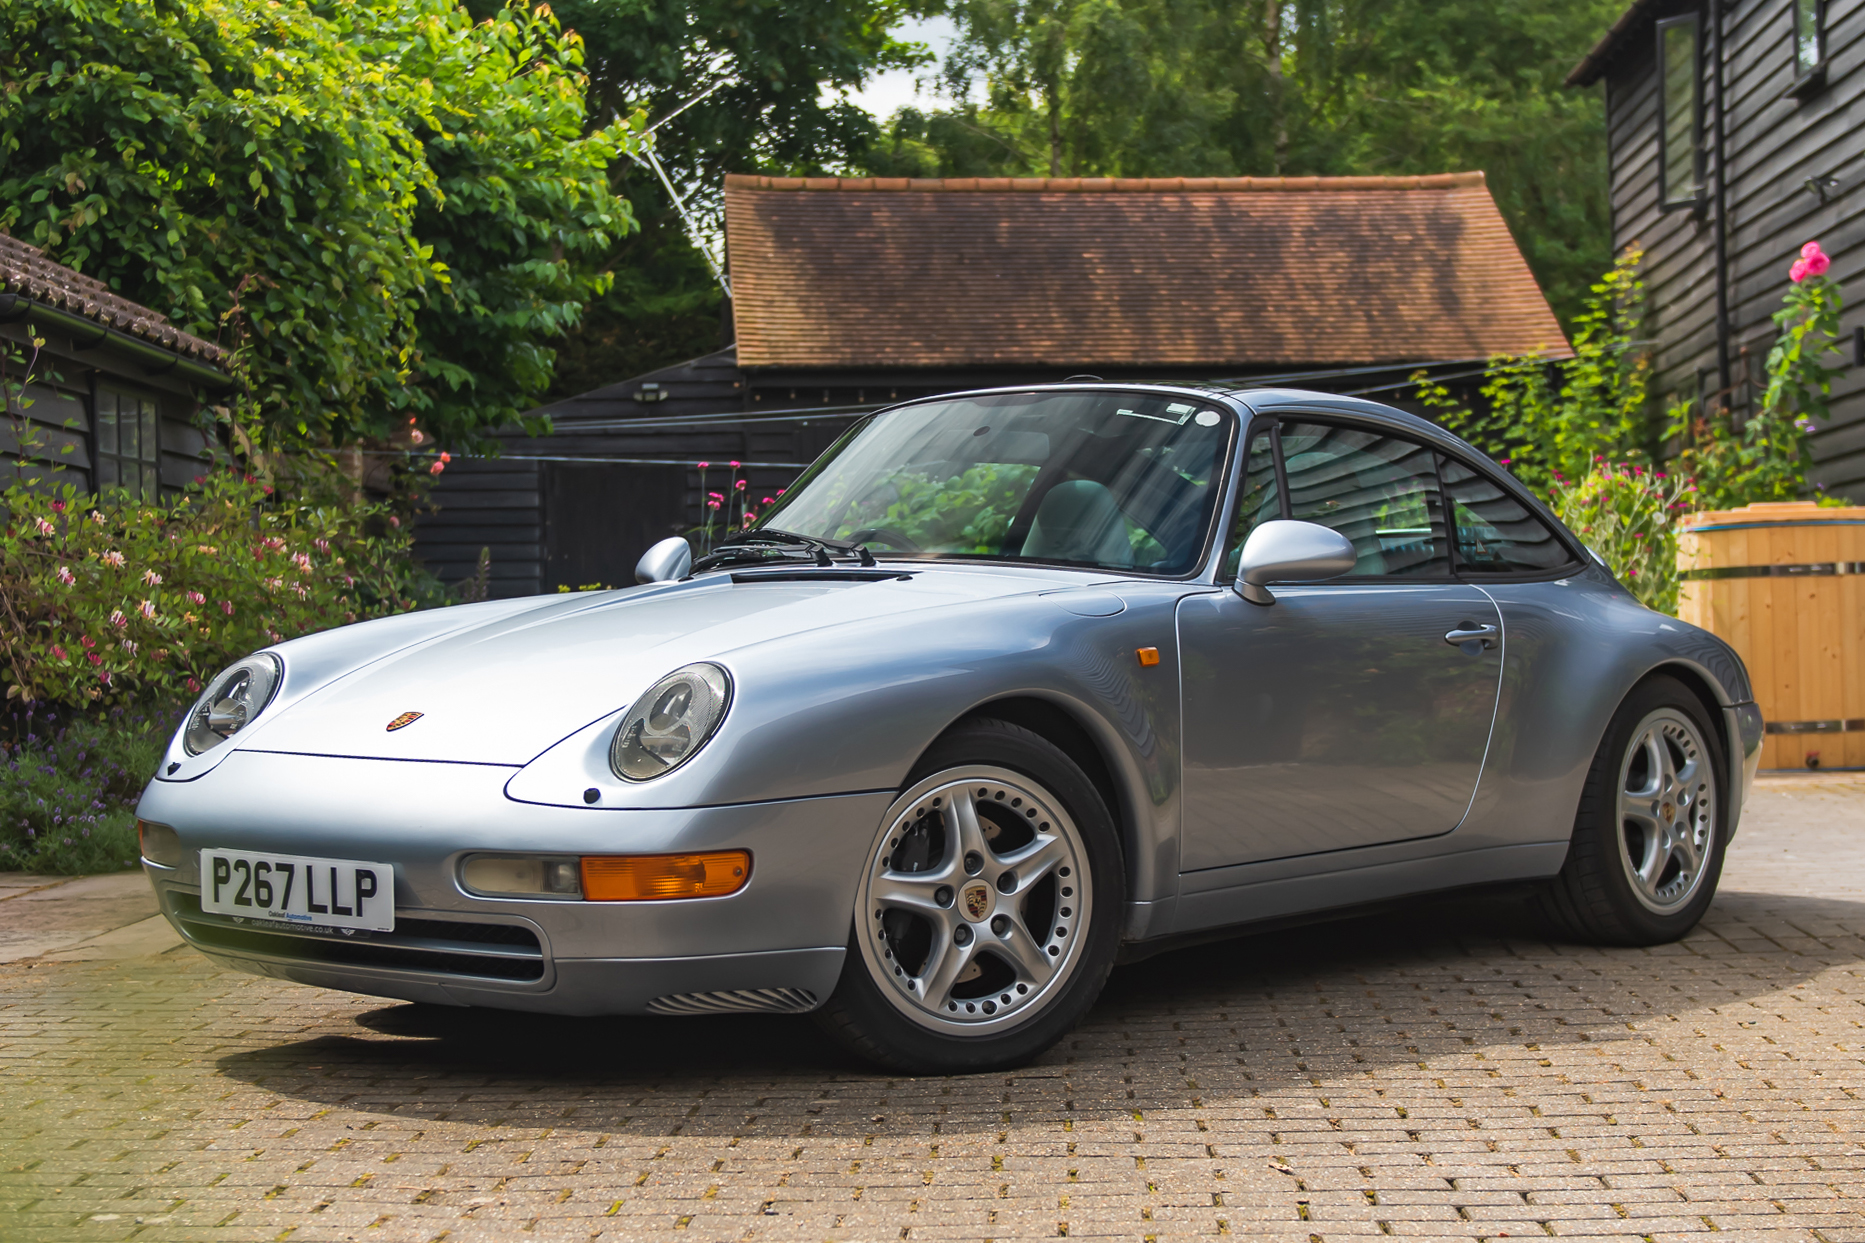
[[620, 471], [1774, 136]]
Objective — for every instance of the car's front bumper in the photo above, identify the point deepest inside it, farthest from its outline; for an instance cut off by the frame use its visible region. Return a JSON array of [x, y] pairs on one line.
[[777, 944]]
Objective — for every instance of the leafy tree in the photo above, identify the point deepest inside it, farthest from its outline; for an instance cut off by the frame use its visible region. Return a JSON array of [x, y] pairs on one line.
[[773, 77], [393, 209], [1286, 87]]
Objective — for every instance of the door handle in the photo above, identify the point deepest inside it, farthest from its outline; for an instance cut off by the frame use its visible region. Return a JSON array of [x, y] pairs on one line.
[[1472, 639]]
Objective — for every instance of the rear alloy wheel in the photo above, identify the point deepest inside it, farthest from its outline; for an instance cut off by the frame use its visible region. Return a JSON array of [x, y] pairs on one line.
[[988, 908], [1648, 840]]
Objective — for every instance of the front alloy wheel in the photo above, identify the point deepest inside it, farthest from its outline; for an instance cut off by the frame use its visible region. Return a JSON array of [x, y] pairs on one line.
[[971, 898], [986, 918]]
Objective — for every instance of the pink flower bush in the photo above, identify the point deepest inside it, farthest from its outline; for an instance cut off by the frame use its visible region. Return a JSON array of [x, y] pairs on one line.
[[65, 584], [1812, 262]]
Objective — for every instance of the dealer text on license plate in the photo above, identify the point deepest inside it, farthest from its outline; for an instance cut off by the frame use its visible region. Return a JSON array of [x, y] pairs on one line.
[[330, 893]]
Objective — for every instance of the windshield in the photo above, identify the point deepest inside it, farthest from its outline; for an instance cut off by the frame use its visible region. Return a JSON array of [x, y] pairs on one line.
[[1117, 481]]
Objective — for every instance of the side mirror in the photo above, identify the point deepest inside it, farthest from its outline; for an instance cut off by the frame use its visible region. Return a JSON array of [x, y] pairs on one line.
[[1286, 551], [666, 561]]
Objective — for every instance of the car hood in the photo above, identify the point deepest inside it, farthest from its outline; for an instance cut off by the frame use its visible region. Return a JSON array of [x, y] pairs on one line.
[[505, 691]]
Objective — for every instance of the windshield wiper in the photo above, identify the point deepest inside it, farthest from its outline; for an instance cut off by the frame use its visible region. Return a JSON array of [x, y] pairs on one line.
[[773, 544]]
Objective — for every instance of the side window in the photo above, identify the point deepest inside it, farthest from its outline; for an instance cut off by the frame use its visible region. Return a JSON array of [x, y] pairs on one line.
[[1380, 491], [1680, 176], [1495, 533], [1260, 501]]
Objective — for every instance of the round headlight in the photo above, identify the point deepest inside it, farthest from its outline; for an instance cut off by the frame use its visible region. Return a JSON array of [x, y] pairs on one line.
[[230, 702], [668, 725]]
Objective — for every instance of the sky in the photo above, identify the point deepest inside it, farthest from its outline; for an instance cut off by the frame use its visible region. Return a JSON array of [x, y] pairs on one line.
[[887, 93]]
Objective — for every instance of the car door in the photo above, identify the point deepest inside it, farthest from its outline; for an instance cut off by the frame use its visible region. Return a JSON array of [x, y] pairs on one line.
[[1348, 713]]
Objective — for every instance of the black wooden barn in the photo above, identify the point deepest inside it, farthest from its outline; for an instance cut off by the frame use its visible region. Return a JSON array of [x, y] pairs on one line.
[[848, 294], [1734, 139], [115, 386]]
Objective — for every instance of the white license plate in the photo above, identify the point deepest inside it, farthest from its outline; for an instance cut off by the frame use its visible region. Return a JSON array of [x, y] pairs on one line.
[[327, 893]]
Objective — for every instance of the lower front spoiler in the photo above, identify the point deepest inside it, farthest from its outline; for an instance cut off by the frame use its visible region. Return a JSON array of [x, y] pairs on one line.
[[769, 982]]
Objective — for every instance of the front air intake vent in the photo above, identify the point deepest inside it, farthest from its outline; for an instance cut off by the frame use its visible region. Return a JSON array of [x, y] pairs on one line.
[[737, 1001]]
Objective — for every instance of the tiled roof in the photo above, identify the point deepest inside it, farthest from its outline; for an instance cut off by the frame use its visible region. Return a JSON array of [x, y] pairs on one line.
[[1204, 272], [25, 270]]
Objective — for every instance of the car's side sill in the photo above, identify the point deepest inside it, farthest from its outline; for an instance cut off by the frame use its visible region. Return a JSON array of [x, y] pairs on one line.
[[1293, 896]]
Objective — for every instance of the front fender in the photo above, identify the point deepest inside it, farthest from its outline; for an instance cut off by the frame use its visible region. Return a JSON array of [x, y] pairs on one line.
[[851, 709]]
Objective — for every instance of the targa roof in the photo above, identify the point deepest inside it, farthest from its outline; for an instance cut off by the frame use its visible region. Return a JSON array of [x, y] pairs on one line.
[[1226, 273]]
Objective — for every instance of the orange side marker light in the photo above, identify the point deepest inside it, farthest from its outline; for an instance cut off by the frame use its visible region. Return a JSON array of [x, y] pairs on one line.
[[650, 878], [1149, 656]]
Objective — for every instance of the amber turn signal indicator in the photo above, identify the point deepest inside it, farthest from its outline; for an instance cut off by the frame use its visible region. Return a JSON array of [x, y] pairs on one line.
[[1149, 656], [649, 878]]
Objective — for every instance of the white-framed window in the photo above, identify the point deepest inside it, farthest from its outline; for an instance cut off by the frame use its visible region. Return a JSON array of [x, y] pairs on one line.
[[127, 430], [1680, 110], [1809, 36]]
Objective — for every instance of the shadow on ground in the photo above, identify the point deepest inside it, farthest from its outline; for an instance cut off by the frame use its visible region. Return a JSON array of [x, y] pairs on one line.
[[1292, 1005]]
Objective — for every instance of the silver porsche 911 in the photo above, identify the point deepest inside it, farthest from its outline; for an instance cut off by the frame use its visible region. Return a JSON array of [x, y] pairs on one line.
[[1009, 686]]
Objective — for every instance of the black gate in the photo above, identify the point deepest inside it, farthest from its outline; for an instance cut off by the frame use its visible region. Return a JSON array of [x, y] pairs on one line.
[[599, 517]]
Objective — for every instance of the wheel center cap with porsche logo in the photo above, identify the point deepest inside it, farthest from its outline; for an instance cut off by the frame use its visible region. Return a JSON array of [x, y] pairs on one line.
[[977, 899], [404, 721]]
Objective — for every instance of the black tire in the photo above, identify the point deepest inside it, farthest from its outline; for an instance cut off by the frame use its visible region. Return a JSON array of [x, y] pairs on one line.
[[1599, 896], [875, 1011]]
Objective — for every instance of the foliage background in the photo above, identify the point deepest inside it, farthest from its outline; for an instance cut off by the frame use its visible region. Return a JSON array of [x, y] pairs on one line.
[[777, 71], [396, 209]]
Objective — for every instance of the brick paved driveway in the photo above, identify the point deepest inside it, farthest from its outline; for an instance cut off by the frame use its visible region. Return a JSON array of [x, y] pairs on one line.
[[1439, 1071]]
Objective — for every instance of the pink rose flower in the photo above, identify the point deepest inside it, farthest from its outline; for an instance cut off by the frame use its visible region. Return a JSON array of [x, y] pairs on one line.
[[1809, 250], [1817, 265], [1798, 272]]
